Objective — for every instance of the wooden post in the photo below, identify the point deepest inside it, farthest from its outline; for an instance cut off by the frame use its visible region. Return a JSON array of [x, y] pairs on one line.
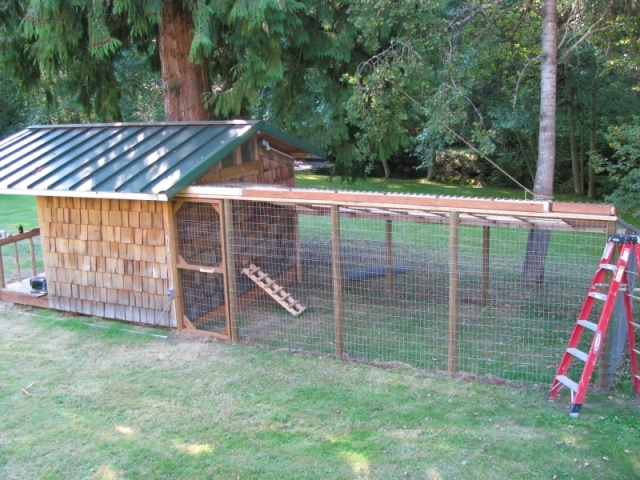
[[337, 279], [298, 250], [486, 256], [15, 246], [454, 279], [33, 257], [169, 211], [605, 350], [230, 275], [389, 249], [2, 282]]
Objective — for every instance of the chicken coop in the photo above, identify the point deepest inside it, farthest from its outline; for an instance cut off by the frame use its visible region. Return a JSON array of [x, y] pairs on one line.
[[199, 226]]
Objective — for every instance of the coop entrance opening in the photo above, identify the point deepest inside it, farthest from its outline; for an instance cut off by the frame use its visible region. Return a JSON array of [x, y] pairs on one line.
[[201, 267]]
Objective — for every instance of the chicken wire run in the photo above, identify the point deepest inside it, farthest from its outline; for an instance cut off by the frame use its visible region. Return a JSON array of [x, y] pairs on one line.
[[377, 285]]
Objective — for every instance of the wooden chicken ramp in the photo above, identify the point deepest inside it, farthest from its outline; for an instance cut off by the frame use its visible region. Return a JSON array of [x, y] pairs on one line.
[[275, 291]]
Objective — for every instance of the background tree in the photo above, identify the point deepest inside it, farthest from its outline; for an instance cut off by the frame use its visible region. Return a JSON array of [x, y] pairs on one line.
[[214, 56], [385, 86]]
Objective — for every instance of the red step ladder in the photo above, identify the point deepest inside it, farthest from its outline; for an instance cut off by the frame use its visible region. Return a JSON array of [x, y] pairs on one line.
[[624, 246]]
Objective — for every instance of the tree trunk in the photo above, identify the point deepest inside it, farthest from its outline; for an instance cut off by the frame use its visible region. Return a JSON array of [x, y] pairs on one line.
[[591, 189], [578, 187], [534, 260], [387, 169], [537, 246], [431, 169], [543, 185], [183, 82]]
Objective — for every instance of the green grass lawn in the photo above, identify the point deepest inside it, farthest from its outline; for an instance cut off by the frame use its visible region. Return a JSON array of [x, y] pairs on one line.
[[18, 210], [83, 401], [102, 403], [15, 211]]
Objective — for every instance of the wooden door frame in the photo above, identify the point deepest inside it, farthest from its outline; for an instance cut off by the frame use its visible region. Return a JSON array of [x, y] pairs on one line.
[[178, 264]]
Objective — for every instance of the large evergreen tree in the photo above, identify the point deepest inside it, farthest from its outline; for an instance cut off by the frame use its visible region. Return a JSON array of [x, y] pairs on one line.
[[214, 56]]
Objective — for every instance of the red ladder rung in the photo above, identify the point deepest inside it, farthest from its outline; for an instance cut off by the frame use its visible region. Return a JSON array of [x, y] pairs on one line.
[[587, 324], [578, 354]]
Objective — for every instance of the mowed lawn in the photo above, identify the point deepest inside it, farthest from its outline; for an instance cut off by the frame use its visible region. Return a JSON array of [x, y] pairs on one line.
[[95, 401], [89, 398]]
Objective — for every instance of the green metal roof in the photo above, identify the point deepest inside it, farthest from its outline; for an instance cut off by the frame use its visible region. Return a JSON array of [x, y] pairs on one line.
[[147, 160]]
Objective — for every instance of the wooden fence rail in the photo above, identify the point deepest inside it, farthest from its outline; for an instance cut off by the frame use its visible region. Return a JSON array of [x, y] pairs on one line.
[[13, 240]]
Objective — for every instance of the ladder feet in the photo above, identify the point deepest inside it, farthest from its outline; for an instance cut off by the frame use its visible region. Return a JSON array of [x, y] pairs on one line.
[[574, 411]]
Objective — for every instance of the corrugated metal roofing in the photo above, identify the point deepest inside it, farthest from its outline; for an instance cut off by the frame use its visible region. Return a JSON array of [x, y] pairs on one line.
[[154, 160]]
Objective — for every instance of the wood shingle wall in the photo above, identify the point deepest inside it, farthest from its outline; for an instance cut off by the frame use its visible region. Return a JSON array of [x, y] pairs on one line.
[[269, 167], [106, 258]]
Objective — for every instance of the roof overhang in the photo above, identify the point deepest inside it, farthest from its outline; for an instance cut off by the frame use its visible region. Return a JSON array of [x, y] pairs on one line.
[[159, 197]]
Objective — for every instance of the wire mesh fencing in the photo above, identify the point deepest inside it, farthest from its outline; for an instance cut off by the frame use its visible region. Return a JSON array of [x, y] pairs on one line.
[[618, 343], [377, 286]]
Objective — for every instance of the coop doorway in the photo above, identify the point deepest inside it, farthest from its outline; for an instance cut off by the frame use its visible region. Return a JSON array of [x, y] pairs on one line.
[[201, 267]]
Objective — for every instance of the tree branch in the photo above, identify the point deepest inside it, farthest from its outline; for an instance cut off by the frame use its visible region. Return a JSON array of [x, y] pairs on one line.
[[520, 76], [590, 31], [474, 11]]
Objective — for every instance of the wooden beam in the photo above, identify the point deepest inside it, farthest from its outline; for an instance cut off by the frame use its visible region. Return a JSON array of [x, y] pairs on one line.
[[20, 236], [183, 265], [33, 257], [516, 213], [454, 279], [299, 274], [24, 299], [337, 280], [346, 198], [486, 263], [174, 279], [230, 274], [389, 254], [17, 257], [2, 281]]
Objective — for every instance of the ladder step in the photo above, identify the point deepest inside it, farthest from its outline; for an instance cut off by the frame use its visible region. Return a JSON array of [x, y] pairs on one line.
[[567, 382], [608, 266], [635, 325], [587, 324], [598, 295], [578, 354]]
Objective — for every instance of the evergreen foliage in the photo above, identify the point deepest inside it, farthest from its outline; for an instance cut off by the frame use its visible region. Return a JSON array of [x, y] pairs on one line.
[[375, 82]]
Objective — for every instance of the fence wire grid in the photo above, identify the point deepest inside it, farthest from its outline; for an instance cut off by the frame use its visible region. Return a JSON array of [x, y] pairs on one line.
[[381, 289]]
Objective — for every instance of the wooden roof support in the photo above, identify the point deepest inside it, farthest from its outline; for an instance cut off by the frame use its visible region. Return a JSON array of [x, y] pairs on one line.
[[422, 208]]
